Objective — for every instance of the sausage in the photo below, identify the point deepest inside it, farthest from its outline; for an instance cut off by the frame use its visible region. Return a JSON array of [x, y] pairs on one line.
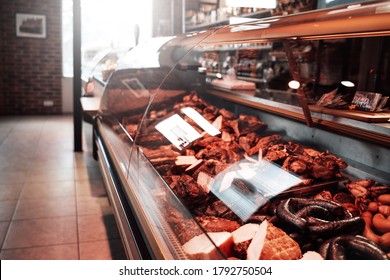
[[332, 206], [348, 226], [367, 232], [284, 213], [315, 211], [380, 223], [335, 251], [373, 207], [384, 198], [384, 210], [351, 247], [323, 249], [376, 191], [365, 248], [384, 242], [315, 221], [287, 211], [318, 217]]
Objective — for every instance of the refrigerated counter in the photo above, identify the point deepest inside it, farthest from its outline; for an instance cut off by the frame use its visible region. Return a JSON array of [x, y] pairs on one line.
[[215, 145]]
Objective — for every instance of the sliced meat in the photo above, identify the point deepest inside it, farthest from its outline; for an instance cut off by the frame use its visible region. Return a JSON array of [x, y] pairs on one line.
[[215, 224]]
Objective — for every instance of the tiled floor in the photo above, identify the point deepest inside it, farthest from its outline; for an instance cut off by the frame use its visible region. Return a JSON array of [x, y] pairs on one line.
[[53, 204]]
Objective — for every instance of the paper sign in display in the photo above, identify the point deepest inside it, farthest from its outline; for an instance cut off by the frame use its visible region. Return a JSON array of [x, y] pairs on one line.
[[201, 121], [246, 190], [366, 101], [178, 131]]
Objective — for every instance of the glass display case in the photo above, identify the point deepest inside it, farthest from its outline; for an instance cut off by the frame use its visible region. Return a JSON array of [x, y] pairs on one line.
[[215, 144], [96, 73]]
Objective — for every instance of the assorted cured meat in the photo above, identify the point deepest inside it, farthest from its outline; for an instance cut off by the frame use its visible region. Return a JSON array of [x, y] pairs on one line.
[[351, 222]]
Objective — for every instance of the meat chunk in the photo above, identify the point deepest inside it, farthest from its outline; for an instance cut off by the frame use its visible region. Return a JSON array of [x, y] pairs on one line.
[[188, 190], [246, 124], [215, 224], [264, 143], [186, 230], [218, 153], [249, 141], [219, 209], [226, 114], [211, 167]]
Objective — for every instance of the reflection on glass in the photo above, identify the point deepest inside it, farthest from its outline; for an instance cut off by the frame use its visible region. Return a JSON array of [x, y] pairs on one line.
[[246, 186]]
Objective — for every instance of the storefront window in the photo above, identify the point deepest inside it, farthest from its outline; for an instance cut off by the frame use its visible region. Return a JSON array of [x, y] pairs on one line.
[[104, 25]]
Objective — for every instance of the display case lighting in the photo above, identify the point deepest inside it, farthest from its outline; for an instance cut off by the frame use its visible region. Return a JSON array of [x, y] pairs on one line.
[[294, 84], [347, 83]]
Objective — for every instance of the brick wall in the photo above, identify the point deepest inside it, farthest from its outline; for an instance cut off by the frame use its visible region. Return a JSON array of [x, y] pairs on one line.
[[30, 68]]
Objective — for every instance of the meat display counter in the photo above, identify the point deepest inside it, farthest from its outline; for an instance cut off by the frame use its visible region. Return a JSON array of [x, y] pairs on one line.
[[211, 144]]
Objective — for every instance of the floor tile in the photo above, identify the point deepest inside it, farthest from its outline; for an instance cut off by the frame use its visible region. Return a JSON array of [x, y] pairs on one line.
[[45, 208], [14, 163], [56, 252], [47, 148], [93, 206], [22, 151], [7, 209], [91, 188], [12, 177], [52, 174], [33, 123], [16, 137], [4, 131], [48, 162], [41, 232], [48, 190], [10, 191], [102, 250], [85, 159], [3, 232], [91, 173], [93, 228], [51, 196]]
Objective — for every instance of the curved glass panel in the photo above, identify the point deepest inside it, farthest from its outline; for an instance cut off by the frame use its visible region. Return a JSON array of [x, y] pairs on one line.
[[152, 73]]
